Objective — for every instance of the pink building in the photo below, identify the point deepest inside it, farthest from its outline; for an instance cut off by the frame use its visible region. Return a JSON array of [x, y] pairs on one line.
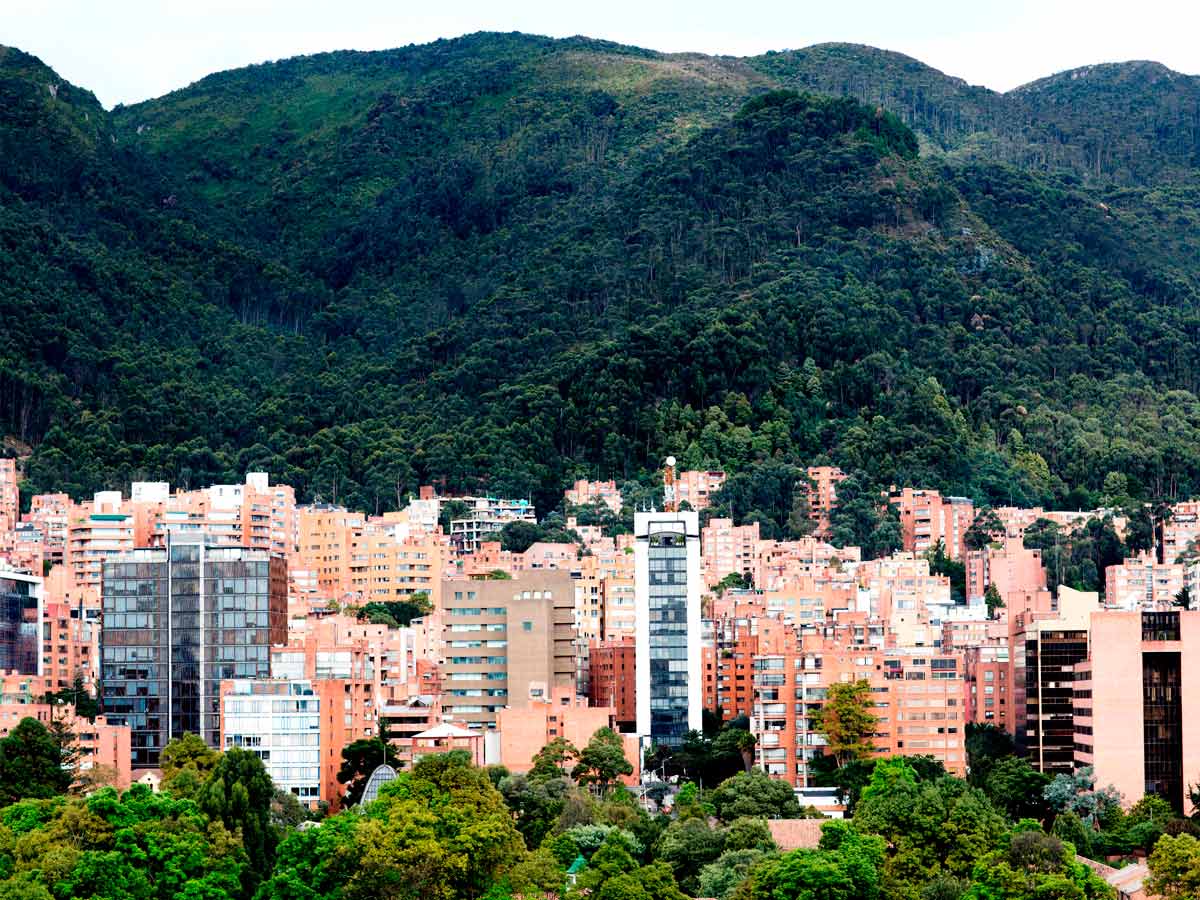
[[1009, 566], [1134, 703], [584, 493], [927, 517], [697, 487], [526, 730], [728, 549], [822, 494], [10, 501], [1180, 530], [50, 514], [1142, 583]]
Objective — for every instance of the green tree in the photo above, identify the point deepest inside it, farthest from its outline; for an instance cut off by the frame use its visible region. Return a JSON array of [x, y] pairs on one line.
[[846, 721], [602, 762], [553, 760], [688, 845], [993, 599], [1017, 788], [536, 804], [238, 794], [1175, 868], [186, 763], [1035, 865], [31, 764], [986, 745], [359, 759], [985, 529], [754, 794]]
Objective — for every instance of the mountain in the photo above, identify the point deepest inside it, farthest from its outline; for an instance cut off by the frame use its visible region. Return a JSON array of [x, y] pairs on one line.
[[503, 261]]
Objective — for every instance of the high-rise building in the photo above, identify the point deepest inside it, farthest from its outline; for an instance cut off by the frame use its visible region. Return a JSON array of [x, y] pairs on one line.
[[1133, 703], [508, 642], [21, 602], [177, 620], [667, 587], [1044, 650]]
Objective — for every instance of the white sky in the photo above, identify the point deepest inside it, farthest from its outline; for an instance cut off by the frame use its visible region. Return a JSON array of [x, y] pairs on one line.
[[130, 50]]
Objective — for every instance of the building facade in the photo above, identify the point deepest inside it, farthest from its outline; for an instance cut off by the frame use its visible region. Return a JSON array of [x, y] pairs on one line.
[[507, 642], [280, 723], [177, 621], [667, 587], [1131, 703]]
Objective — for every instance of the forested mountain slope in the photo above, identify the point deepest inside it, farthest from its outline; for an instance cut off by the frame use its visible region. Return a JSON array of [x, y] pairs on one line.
[[506, 260]]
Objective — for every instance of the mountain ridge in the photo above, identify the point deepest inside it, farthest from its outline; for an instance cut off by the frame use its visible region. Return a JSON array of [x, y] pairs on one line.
[[502, 261]]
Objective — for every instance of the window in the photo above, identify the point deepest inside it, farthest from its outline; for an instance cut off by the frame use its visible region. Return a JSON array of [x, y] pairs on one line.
[[527, 625]]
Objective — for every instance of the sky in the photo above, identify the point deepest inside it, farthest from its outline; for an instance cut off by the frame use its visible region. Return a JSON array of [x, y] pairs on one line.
[[130, 50]]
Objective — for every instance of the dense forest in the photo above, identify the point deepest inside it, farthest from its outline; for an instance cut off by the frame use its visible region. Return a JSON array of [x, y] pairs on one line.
[[503, 261]]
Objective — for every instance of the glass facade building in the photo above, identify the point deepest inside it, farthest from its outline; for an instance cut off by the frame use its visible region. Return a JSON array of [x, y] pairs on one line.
[[668, 655], [20, 623], [177, 621]]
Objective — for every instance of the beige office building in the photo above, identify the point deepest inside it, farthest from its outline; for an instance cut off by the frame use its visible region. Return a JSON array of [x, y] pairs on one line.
[[508, 643]]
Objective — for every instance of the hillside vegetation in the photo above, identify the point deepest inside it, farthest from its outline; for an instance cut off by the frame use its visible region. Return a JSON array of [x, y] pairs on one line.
[[504, 261]]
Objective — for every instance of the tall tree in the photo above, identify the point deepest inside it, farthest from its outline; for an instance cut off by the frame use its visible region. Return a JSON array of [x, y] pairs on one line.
[[31, 764], [239, 793], [846, 721]]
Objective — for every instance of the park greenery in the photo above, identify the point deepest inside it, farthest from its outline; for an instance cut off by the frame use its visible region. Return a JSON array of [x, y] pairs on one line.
[[501, 262], [572, 828]]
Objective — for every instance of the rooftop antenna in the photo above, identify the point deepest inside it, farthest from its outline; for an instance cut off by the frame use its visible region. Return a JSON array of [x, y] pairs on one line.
[[669, 502]]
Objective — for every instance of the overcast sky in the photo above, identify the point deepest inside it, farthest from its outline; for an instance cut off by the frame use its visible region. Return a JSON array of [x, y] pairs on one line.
[[130, 50]]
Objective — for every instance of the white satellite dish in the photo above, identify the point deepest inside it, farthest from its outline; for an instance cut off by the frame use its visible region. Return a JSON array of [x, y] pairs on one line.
[[670, 461]]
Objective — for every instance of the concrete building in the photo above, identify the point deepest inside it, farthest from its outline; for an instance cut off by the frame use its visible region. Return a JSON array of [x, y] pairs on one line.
[[612, 668], [1134, 700], [50, 514], [668, 581], [98, 531], [728, 549], [177, 621], [695, 488], [508, 642], [927, 517], [280, 723], [485, 517], [10, 501], [918, 696], [585, 493], [525, 731], [1045, 648], [822, 494], [1142, 582]]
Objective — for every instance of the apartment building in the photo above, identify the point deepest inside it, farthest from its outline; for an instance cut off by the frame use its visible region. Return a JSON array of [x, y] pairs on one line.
[[695, 488], [728, 549], [927, 517], [508, 642], [585, 493], [10, 501], [1132, 698], [280, 723], [612, 666], [918, 699], [1142, 582], [98, 531], [822, 494], [22, 600]]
